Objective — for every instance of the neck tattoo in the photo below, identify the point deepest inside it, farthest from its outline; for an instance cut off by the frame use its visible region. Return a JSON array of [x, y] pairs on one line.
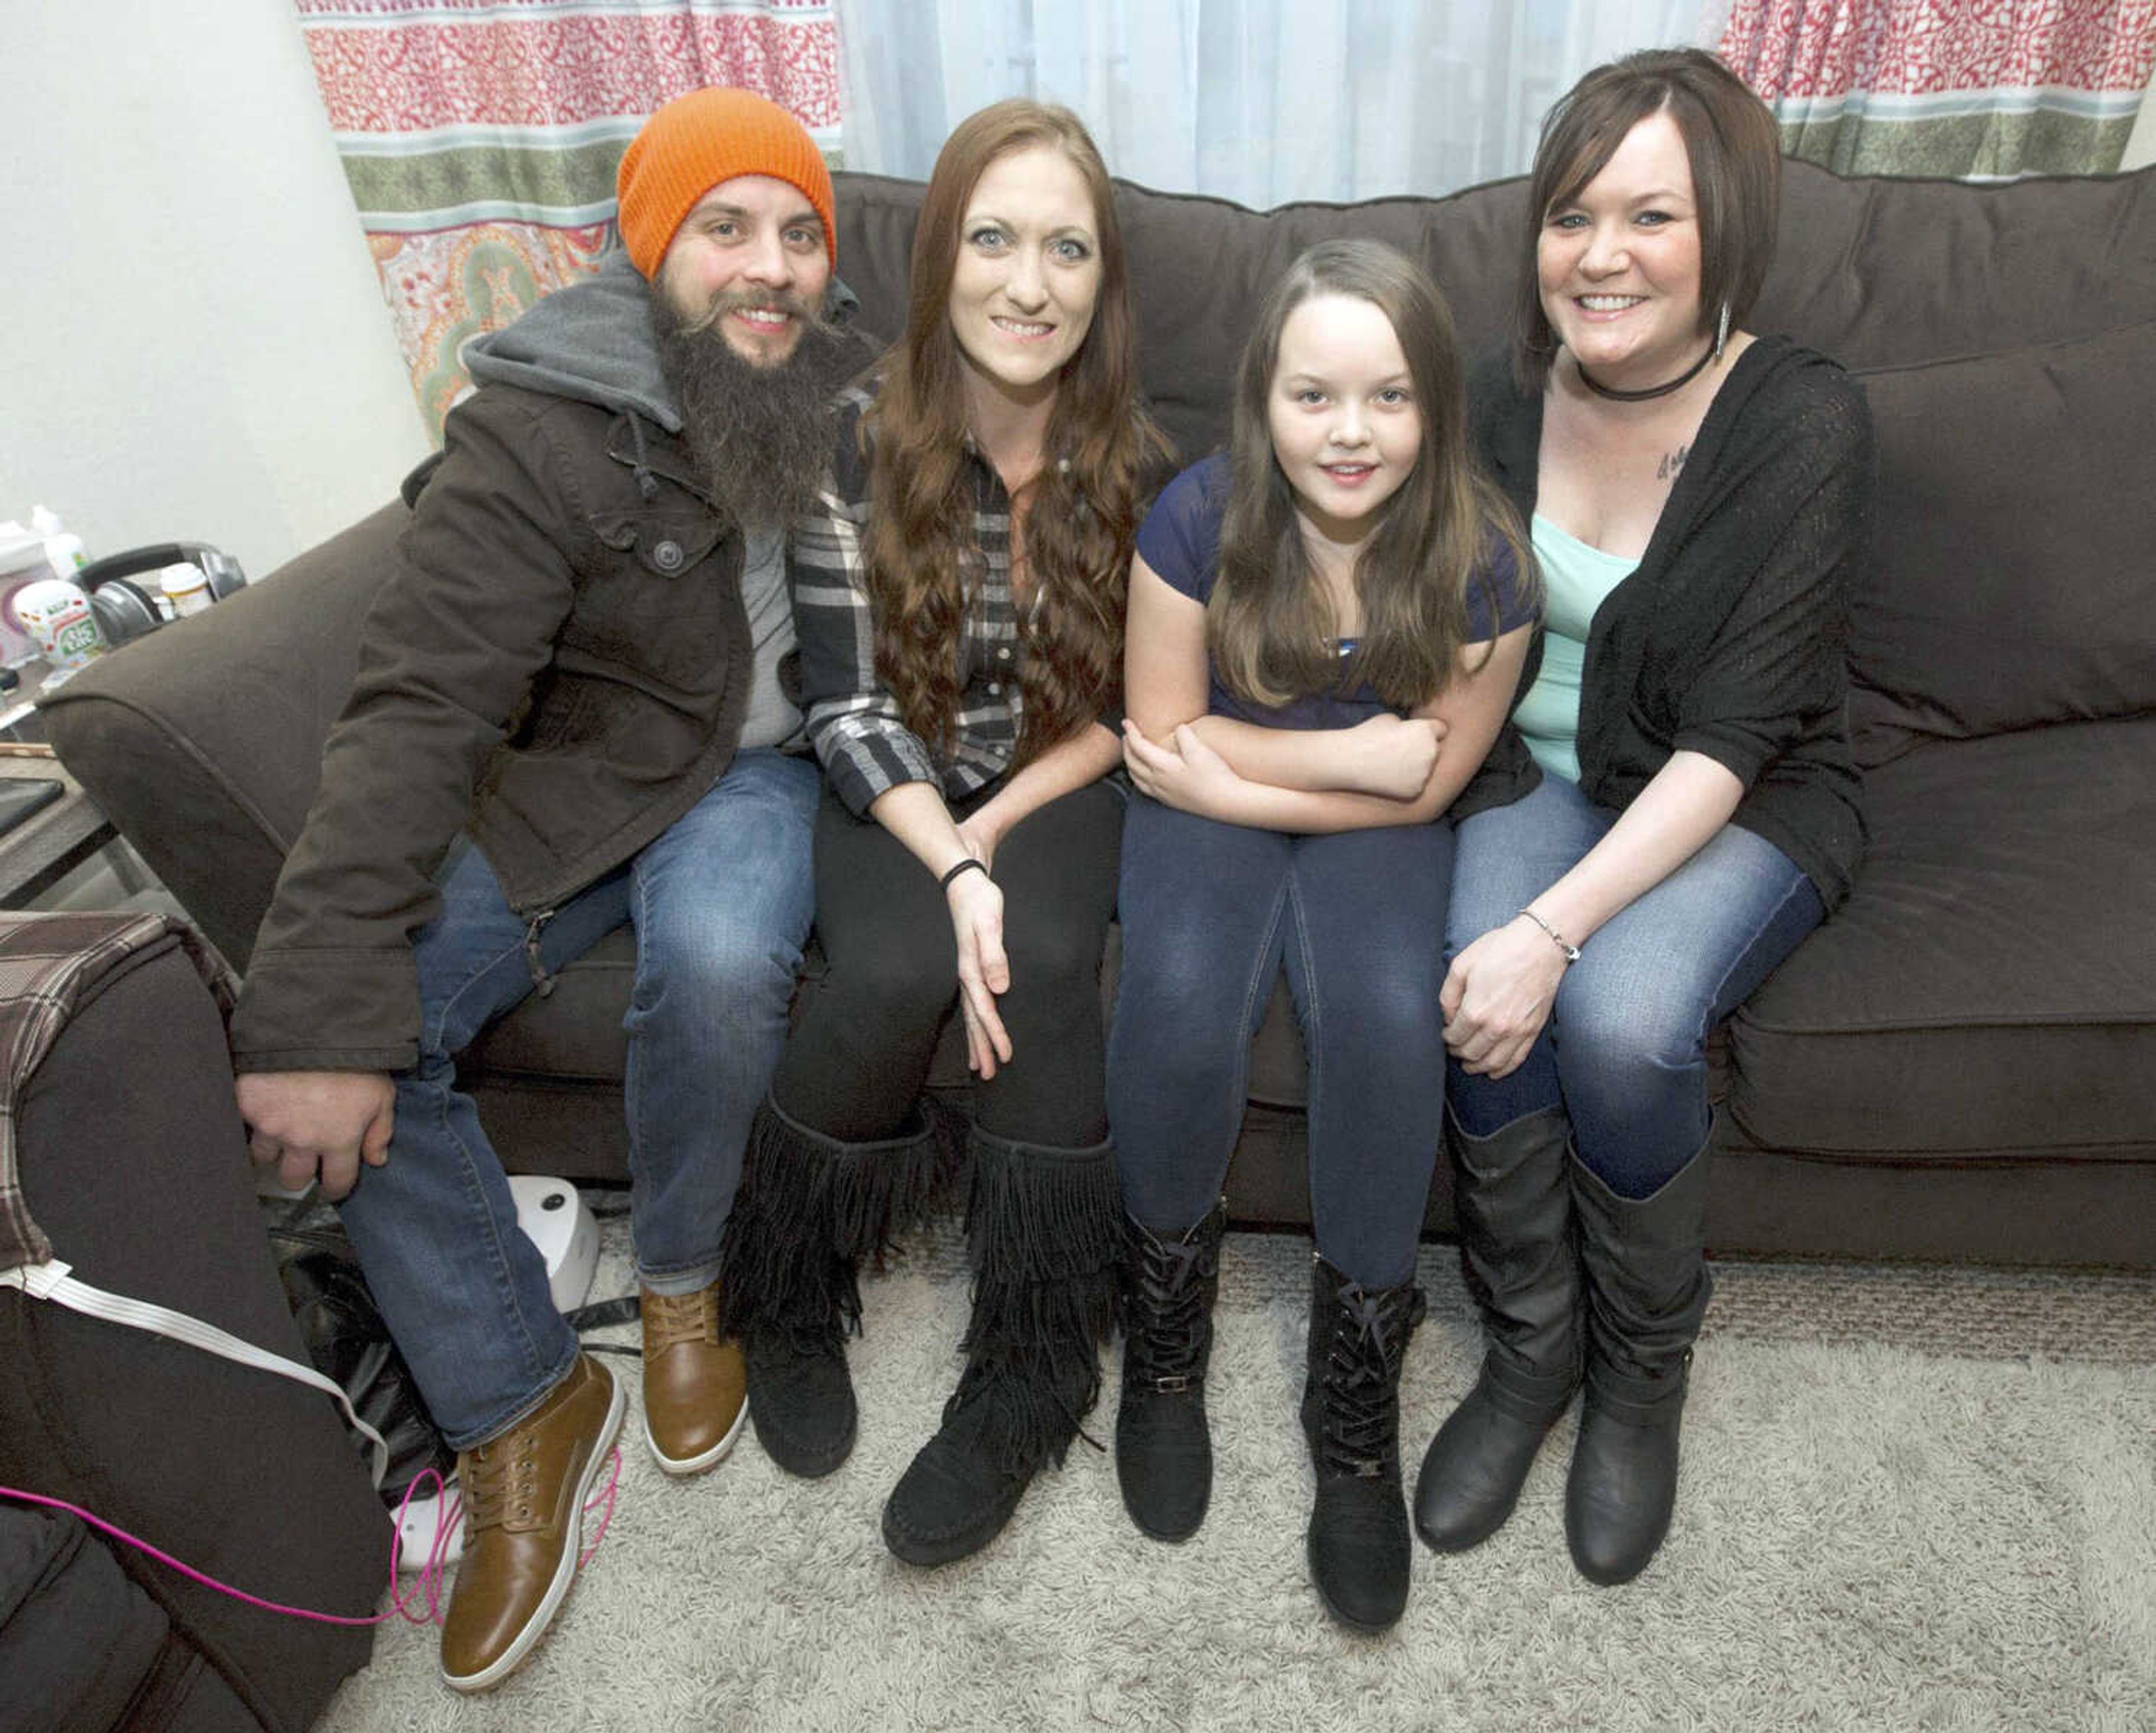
[[1646, 392]]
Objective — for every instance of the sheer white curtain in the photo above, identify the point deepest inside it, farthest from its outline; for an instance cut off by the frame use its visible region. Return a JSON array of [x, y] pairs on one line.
[[1262, 101]]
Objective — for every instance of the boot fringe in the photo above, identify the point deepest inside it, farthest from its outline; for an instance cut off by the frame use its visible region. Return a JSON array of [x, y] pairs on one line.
[[1041, 1213], [1032, 1359], [1016, 1319], [1044, 1229], [1032, 1382], [881, 1191], [781, 1271]]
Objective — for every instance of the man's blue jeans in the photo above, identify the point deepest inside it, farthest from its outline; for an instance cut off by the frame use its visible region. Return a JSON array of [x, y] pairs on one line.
[[720, 903], [1211, 913], [1624, 1051]]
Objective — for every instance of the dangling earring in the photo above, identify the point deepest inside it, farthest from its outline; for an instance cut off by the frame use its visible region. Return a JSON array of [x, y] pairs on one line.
[[1722, 332]]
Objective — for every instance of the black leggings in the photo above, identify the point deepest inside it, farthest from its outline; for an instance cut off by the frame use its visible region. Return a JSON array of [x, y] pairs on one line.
[[856, 1061]]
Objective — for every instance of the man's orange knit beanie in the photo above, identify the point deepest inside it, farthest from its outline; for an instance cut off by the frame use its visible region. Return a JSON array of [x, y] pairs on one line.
[[697, 141]]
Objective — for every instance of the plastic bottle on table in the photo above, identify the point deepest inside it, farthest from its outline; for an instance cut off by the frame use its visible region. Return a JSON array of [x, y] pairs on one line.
[[187, 589], [63, 549]]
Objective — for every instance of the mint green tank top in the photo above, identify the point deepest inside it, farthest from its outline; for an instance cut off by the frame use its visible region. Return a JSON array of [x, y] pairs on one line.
[[1575, 579]]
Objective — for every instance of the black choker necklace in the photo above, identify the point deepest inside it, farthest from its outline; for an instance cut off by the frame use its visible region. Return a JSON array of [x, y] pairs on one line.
[[1616, 396]]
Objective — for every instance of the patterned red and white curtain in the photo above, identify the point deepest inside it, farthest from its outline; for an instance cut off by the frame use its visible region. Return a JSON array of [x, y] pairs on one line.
[[480, 137], [1983, 89]]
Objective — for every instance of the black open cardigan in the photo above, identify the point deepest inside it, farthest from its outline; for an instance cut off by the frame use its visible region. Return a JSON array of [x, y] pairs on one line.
[[1729, 637]]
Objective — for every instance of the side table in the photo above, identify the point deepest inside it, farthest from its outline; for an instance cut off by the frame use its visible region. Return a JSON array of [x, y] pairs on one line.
[[54, 840]]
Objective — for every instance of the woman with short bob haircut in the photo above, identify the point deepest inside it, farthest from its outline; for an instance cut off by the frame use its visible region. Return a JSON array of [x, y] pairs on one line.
[[1686, 808], [1732, 149], [1326, 624], [958, 598]]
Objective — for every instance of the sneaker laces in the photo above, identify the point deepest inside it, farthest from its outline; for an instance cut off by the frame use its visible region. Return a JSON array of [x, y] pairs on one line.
[[500, 1477], [671, 1319]]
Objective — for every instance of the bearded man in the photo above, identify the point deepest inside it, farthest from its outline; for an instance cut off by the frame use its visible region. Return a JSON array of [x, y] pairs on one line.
[[568, 716]]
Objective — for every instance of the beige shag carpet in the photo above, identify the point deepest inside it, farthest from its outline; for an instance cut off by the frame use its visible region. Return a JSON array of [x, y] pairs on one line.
[[1912, 1499]]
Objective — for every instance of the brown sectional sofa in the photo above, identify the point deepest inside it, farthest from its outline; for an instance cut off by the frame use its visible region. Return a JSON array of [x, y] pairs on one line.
[[1958, 1065]]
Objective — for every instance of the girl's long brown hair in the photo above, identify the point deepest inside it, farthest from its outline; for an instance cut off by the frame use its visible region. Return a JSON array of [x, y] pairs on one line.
[[1102, 451], [1270, 622]]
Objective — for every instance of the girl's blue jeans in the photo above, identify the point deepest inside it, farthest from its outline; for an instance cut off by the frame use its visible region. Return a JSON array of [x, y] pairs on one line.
[[1211, 913]]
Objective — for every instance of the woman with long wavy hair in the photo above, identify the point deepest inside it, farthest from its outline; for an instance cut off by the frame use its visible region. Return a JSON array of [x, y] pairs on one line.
[[958, 595]]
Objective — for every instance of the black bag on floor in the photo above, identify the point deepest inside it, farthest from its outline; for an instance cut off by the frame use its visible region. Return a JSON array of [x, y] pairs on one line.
[[349, 1343]]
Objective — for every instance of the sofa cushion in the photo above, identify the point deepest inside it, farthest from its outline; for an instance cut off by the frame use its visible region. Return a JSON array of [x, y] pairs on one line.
[[1889, 271], [2016, 515], [1989, 988]]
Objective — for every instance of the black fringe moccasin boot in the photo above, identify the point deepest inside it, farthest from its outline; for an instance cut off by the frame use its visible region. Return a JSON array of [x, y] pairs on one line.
[[1043, 1229], [809, 1211]]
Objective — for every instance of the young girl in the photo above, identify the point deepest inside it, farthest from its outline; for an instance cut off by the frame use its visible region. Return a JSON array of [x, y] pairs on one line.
[[958, 598], [1326, 627]]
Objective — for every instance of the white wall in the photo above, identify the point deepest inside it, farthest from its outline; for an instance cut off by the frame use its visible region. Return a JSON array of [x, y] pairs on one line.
[[2141, 143], [193, 343]]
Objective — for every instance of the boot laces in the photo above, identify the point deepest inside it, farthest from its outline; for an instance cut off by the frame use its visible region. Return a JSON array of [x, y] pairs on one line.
[[1171, 1329], [672, 1318], [499, 1479], [1360, 1428]]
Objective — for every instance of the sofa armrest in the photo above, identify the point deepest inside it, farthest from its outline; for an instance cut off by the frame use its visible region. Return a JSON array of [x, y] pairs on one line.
[[134, 1162], [202, 742]]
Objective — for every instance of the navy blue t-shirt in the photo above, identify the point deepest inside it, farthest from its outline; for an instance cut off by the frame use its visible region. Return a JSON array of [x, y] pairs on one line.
[[1180, 539]]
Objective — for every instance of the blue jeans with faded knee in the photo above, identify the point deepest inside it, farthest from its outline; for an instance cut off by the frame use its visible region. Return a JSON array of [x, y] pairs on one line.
[[721, 905], [1211, 913], [1624, 1051]]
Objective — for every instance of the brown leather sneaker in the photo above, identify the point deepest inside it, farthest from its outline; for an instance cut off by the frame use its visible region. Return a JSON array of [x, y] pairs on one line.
[[696, 1388], [524, 1492]]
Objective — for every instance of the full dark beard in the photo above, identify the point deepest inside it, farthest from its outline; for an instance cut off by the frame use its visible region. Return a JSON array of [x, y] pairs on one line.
[[761, 435]]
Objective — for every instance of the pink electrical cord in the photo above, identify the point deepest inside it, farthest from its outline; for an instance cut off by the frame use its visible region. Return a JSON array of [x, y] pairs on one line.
[[430, 1577]]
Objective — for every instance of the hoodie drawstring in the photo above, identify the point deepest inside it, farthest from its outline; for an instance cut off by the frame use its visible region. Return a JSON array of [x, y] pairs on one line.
[[647, 484]]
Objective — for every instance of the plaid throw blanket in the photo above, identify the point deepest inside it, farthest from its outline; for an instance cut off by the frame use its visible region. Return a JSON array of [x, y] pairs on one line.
[[49, 965]]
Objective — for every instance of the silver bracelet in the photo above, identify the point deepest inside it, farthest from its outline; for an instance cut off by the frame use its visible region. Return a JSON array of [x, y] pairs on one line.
[[1571, 951]]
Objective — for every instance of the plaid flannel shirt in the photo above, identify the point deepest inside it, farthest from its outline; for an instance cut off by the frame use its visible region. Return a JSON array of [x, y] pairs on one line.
[[853, 721]]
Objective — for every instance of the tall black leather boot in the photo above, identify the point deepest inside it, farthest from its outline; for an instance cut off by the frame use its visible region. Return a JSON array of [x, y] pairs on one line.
[[809, 1209], [1647, 1289], [1516, 1247], [1163, 1449], [1043, 1229], [1359, 1549]]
